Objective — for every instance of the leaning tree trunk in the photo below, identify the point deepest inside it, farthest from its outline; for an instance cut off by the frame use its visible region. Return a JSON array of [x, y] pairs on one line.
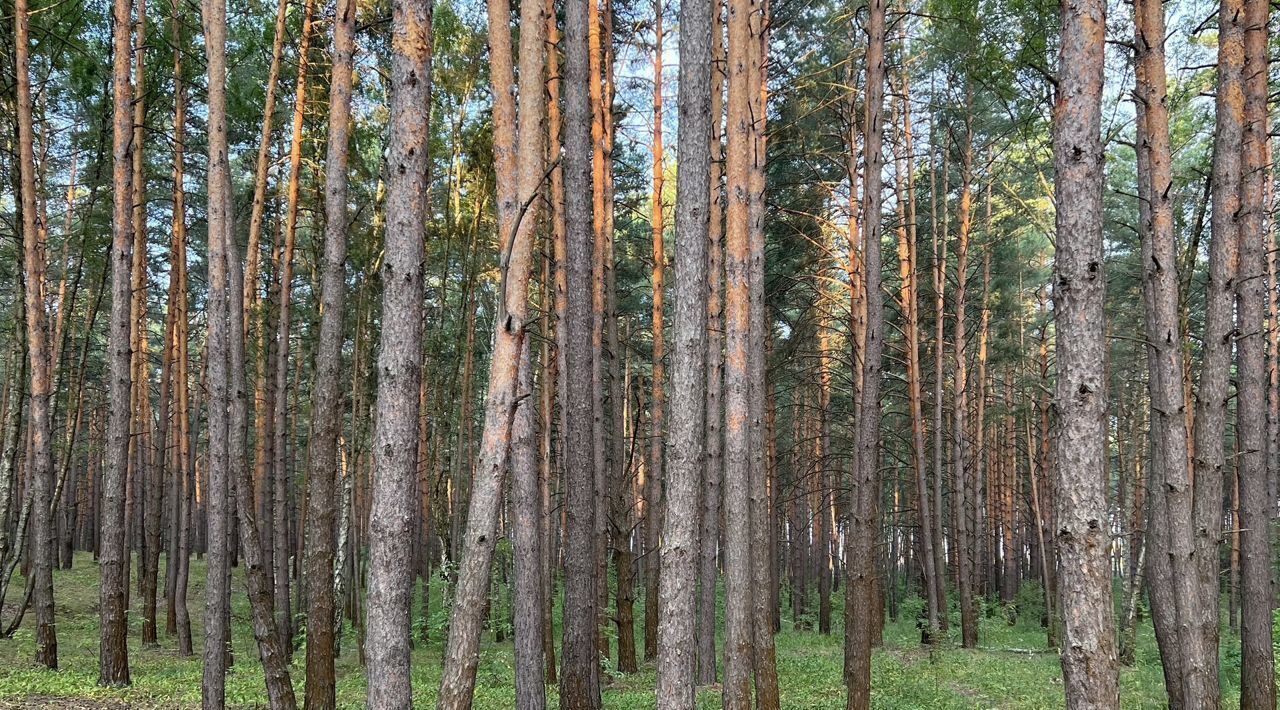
[[1170, 535], [1084, 582], [395, 436], [519, 172]]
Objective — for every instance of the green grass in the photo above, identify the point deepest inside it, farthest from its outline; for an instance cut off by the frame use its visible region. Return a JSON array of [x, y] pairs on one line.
[[1011, 669]]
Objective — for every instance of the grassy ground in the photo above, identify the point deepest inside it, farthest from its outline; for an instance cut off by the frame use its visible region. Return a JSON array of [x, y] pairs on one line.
[[1012, 669]]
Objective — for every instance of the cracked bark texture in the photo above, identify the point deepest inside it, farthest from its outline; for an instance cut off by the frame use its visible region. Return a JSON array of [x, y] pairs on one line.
[[1089, 664], [395, 437]]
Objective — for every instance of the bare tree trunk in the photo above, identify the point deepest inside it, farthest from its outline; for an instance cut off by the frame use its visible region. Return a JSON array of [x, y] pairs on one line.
[[1213, 393], [326, 408], [1172, 572], [579, 677], [709, 535], [395, 438], [40, 463], [679, 583], [739, 642], [1257, 667], [507, 441], [962, 461], [217, 584], [860, 553], [113, 658], [761, 502], [1088, 652], [279, 426], [655, 502], [909, 297], [939, 375]]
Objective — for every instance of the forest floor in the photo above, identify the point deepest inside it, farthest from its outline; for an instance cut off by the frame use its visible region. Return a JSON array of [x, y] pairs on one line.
[[1011, 669]]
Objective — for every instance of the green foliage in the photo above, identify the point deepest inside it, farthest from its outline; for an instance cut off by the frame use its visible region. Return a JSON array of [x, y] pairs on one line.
[[1012, 669]]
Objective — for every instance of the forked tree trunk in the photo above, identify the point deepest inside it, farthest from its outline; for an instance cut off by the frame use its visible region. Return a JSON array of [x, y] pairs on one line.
[[1172, 575]]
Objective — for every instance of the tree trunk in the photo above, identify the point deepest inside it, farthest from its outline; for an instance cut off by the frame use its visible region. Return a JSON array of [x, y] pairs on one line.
[[279, 425], [1257, 667], [40, 462], [709, 535], [679, 583], [654, 490], [113, 557], [1088, 652], [762, 532], [860, 541], [579, 677], [218, 572], [395, 436], [507, 441], [326, 408], [962, 461], [737, 329], [1173, 574], [908, 295]]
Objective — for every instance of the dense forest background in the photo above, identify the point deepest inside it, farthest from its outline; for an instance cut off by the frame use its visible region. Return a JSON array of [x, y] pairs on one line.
[[364, 344]]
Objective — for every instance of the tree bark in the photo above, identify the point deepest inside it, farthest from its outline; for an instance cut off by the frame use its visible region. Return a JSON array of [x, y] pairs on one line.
[[860, 553], [507, 440], [1088, 652], [579, 677], [1257, 667], [113, 668], [326, 408], [395, 437], [679, 582], [40, 463]]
